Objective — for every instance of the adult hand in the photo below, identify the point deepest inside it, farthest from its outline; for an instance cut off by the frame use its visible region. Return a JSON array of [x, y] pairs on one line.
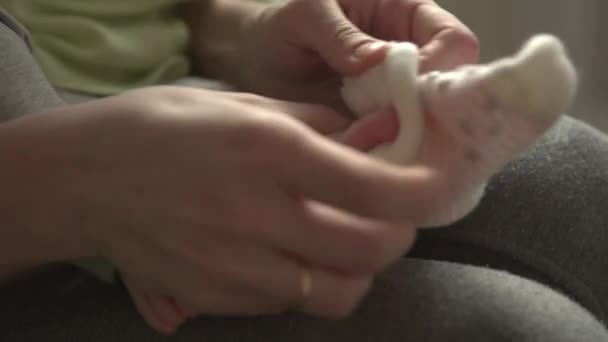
[[301, 49], [230, 205]]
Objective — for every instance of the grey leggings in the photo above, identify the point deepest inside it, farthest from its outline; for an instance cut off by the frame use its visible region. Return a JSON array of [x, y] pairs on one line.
[[530, 264]]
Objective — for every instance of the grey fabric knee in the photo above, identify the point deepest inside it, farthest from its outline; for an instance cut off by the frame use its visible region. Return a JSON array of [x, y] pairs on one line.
[[544, 217], [415, 300]]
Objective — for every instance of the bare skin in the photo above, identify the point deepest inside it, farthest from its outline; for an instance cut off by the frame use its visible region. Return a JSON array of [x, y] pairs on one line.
[[103, 183], [280, 52], [230, 173]]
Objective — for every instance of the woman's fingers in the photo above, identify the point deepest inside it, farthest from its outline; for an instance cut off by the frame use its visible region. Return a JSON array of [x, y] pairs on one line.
[[333, 295], [328, 172], [320, 118], [333, 239], [261, 286], [371, 131], [445, 41], [339, 42]]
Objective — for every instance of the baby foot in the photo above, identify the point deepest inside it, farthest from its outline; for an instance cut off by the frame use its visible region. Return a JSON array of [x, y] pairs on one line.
[[478, 118]]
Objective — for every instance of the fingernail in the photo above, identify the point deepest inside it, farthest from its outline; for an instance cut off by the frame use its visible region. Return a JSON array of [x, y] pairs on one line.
[[370, 48], [178, 309]]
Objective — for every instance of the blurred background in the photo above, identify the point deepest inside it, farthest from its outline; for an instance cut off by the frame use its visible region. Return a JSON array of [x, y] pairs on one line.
[[502, 26]]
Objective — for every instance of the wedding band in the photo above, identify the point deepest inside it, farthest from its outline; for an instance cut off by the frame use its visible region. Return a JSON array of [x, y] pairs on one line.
[[305, 283]]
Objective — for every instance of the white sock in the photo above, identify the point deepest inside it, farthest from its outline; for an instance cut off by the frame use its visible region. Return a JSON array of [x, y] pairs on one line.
[[470, 122]]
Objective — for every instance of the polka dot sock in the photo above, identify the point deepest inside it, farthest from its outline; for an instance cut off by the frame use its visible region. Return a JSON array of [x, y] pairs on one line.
[[468, 123]]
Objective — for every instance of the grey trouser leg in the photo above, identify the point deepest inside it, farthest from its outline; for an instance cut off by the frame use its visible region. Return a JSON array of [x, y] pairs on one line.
[[416, 300], [544, 217]]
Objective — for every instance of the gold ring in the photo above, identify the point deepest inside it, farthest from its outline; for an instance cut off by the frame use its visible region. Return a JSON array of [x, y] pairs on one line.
[[305, 283]]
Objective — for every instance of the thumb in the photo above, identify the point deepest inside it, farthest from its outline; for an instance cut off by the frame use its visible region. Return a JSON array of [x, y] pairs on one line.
[[345, 48], [371, 131]]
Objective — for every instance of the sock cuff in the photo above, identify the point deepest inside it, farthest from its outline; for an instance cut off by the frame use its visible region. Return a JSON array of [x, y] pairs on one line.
[[392, 83]]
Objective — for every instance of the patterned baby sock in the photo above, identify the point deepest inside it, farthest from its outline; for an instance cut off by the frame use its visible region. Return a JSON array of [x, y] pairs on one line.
[[468, 123]]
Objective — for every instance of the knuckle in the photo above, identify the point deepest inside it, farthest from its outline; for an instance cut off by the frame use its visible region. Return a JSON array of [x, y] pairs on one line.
[[402, 240], [343, 303], [215, 262], [291, 11], [409, 235], [252, 137], [426, 205], [440, 198], [372, 198], [410, 203], [251, 133], [251, 99], [290, 142], [370, 249], [216, 206], [267, 136], [373, 252], [383, 246], [466, 41], [343, 30]]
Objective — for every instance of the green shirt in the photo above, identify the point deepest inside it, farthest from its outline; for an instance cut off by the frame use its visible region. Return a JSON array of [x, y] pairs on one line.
[[104, 47]]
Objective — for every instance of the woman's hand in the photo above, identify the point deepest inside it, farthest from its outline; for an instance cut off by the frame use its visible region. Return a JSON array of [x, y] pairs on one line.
[[301, 49], [222, 201]]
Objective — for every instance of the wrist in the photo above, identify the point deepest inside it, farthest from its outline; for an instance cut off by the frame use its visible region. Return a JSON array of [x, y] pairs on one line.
[[39, 203]]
